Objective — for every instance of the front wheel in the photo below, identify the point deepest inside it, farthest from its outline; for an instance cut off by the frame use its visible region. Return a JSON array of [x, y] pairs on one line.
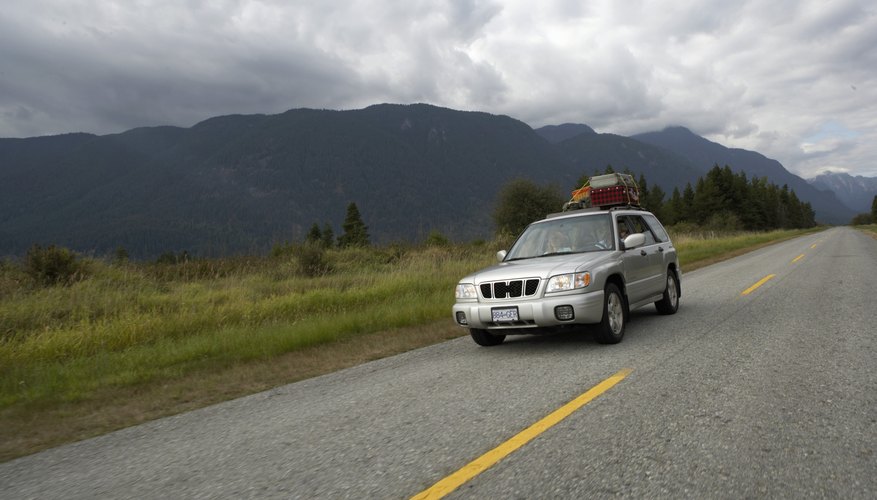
[[612, 325], [669, 303], [484, 338]]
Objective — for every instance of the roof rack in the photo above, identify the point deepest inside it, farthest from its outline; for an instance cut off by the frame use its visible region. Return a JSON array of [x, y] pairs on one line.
[[605, 191], [594, 209]]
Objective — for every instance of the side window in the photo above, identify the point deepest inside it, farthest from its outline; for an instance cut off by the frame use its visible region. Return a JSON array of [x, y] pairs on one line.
[[657, 228], [640, 226], [624, 227]]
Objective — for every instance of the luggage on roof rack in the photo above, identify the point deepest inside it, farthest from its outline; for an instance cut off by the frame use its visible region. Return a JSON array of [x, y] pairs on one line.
[[605, 191]]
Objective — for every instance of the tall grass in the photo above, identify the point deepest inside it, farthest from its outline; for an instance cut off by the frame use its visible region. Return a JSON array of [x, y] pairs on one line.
[[130, 324], [696, 248]]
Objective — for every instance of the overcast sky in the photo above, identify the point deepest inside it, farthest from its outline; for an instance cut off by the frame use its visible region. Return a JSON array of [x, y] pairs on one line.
[[794, 80]]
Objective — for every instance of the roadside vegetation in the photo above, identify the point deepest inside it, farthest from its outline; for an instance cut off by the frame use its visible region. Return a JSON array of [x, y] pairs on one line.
[[91, 345], [95, 344], [870, 229]]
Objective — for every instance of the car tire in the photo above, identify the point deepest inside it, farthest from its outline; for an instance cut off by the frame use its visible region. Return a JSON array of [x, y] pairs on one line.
[[611, 329], [485, 338], [669, 303]]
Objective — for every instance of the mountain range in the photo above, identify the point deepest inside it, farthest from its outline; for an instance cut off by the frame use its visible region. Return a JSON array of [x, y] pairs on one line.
[[856, 192], [240, 183]]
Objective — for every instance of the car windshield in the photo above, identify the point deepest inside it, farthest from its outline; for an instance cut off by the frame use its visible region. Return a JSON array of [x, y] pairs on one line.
[[591, 233]]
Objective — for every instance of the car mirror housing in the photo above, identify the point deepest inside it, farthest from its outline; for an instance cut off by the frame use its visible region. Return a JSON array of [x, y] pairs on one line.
[[633, 241], [501, 255]]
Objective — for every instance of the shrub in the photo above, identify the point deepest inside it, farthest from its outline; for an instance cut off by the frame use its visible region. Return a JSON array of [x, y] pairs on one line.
[[12, 278], [312, 260], [53, 265], [862, 220], [437, 239], [725, 222], [280, 250], [120, 256]]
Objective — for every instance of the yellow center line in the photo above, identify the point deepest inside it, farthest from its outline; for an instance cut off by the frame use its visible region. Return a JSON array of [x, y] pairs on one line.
[[760, 282], [813, 246], [484, 462], [796, 259]]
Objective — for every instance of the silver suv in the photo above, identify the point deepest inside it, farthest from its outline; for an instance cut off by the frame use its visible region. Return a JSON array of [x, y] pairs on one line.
[[591, 266]]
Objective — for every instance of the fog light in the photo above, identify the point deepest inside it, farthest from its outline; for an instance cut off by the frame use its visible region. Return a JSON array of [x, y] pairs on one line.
[[564, 313], [461, 318]]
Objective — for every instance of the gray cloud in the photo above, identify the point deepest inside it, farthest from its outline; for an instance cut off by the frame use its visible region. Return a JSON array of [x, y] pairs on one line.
[[793, 80]]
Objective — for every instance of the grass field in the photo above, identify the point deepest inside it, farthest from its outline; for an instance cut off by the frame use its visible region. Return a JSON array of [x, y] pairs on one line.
[[136, 341]]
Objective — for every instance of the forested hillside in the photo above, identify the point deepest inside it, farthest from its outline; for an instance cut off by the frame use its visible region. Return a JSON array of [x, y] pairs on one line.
[[239, 184], [707, 154]]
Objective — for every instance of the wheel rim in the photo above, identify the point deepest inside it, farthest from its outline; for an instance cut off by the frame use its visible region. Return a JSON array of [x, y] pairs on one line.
[[615, 313], [671, 290]]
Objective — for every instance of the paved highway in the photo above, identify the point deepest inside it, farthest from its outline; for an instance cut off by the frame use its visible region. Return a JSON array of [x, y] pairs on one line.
[[772, 393]]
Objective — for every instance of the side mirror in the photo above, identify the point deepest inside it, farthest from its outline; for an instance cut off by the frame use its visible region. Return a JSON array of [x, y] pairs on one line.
[[501, 255], [633, 241]]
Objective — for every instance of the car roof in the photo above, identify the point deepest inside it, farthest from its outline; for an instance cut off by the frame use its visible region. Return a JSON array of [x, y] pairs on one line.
[[593, 211]]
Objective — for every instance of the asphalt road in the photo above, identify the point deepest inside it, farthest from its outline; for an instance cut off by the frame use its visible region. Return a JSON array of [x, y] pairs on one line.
[[770, 394]]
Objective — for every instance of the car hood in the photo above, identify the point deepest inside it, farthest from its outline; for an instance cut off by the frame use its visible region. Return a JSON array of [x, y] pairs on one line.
[[540, 267]]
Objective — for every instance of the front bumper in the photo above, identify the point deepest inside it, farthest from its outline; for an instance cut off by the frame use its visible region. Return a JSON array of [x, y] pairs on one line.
[[534, 313]]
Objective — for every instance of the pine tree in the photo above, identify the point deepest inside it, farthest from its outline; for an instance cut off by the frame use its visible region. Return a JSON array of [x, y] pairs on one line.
[[655, 202], [674, 209], [314, 235], [687, 204], [328, 236], [355, 230], [874, 210]]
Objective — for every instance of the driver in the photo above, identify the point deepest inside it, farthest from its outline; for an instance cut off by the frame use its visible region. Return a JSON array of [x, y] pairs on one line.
[[558, 242]]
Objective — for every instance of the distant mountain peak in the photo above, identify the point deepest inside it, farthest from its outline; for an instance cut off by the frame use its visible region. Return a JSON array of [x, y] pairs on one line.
[[832, 173], [679, 130], [856, 192], [558, 133]]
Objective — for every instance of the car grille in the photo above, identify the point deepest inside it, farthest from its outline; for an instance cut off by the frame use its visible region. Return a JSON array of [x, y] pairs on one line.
[[510, 289]]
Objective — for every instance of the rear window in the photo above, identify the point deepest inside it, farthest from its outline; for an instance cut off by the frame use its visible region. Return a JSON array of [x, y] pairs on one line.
[[657, 228]]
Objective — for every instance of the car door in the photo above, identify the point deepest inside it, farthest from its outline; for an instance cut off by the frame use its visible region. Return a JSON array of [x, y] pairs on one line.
[[643, 265], [665, 246]]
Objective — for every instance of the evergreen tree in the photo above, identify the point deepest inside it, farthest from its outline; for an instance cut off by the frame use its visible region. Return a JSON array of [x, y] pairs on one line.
[[355, 230], [314, 235], [328, 238], [121, 255], [643, 190], [783, 208], [687, 204], [654, 202], [874, 210], [796, 216], [674, 208], [711, 196]]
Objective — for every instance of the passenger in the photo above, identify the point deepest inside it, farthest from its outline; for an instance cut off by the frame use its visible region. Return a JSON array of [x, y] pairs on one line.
[[622, 231], [603, 240], [558, 242]]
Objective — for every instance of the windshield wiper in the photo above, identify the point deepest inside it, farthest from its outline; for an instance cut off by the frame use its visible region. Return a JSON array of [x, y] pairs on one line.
[[550, 254]]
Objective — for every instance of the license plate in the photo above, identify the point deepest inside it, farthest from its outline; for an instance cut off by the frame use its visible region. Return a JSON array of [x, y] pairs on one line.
[[505, 314]]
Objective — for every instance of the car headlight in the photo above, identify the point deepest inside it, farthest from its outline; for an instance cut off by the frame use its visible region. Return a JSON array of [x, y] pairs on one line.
[[465, 291], [566, 282]]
